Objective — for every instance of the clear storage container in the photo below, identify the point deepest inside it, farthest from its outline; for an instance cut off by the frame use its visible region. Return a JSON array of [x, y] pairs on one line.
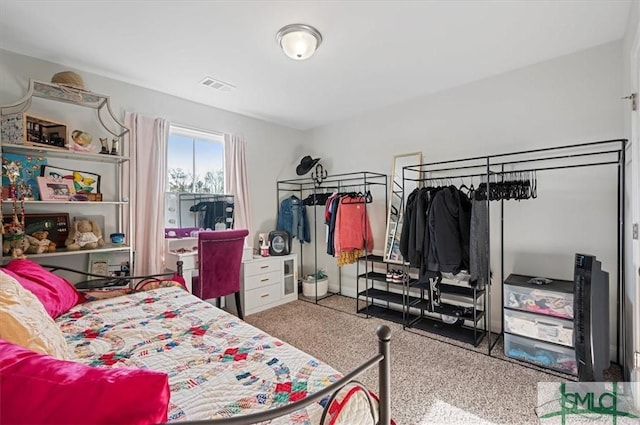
[[537, 300], [546, 355], [559, 331]]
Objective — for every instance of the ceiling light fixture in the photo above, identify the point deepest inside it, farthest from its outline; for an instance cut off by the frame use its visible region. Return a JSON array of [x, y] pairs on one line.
[[299, 41]]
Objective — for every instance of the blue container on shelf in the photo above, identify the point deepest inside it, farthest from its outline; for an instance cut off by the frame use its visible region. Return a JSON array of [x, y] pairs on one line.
[[117, 238]]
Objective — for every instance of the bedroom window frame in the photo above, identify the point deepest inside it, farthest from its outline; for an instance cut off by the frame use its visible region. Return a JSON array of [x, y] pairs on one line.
[[196, 135]]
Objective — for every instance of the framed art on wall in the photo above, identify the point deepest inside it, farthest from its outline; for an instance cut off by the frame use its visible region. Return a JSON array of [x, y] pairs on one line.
[[83, 181]]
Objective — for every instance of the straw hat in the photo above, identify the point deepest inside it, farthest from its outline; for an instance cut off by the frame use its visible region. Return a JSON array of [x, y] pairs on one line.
[[68, 79]]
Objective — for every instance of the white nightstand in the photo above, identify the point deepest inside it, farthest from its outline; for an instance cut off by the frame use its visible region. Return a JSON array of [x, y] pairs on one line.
[[266, 282]]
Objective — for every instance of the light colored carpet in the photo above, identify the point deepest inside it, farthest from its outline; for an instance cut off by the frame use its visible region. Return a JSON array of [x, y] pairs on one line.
[[433, 382]]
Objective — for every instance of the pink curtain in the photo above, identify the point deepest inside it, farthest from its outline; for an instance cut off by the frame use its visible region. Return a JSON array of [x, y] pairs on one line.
[[236, 181], [148, 147]]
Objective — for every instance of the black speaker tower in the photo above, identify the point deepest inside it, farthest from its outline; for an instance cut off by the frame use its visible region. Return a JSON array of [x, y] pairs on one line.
[[591, 318]]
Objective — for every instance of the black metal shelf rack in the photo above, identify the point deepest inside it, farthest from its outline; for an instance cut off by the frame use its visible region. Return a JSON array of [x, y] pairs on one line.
[[393, 301]]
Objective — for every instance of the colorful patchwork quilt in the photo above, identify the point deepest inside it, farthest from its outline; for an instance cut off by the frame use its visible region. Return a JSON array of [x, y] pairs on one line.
[[218, 365]]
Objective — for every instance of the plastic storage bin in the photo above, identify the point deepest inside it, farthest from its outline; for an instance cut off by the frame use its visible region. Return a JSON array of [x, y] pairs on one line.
[[546, 355], [544, 328], [554, 299]]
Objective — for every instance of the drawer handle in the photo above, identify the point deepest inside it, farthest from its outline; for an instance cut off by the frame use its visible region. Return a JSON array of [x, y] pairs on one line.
[[264, 280], [264, 267], [264, 295]]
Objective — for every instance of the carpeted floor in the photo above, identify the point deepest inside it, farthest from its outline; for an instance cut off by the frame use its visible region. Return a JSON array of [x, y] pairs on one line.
[[433, 381]]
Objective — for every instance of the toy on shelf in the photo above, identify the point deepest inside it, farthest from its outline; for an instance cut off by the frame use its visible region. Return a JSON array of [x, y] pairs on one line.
[[39, 244], [85, 234], [13, 237]]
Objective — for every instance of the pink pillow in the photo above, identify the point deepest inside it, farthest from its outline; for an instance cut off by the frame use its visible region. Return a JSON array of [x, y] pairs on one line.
[[177, 278], [40, 389], [54, 292]]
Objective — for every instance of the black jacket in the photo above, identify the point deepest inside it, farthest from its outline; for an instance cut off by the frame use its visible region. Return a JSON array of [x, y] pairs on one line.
[[448, 223], [408, 233]]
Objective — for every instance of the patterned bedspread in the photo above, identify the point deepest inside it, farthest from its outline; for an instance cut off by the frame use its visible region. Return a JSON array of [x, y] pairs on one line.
[[218, 366]]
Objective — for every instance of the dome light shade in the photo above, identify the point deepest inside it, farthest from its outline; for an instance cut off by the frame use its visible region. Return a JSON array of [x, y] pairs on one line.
[[299, 41]]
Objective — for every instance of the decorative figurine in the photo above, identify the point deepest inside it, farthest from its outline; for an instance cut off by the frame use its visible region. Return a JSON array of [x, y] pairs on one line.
[[81, 141], [26, 192], [105, 145], [114, 147], [12, 171]]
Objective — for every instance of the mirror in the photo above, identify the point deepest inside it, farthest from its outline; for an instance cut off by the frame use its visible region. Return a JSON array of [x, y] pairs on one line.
[[397, 201]]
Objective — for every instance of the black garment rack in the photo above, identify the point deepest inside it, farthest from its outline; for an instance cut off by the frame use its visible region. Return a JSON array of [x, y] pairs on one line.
[[366, 180], [589, 154]]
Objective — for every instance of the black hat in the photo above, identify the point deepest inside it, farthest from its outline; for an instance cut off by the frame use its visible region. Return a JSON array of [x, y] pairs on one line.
[[306, 164]]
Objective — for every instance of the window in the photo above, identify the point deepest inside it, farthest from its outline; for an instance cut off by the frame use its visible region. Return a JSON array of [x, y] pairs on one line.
[[195, 161], [195, 174]]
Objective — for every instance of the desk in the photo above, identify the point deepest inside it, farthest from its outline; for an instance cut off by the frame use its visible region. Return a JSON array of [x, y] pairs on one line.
[[189, 259]]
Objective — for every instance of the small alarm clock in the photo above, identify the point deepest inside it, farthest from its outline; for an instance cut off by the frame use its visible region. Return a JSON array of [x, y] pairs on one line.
[[279, 242]]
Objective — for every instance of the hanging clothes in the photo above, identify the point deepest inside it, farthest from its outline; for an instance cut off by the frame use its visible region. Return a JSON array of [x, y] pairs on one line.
[[478, 244], [292, 217], [214, 212], [408, 233], [449, 220], [414, 237], [353, 235], [330, 214]]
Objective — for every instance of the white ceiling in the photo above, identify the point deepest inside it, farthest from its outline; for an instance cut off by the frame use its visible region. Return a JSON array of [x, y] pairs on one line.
[[375, 53]]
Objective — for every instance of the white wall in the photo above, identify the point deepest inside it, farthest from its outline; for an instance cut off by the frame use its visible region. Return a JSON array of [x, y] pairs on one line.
[[571, 99], [266, 142]]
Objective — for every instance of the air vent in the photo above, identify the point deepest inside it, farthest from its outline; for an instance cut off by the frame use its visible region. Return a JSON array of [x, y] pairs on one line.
[[217, 84]]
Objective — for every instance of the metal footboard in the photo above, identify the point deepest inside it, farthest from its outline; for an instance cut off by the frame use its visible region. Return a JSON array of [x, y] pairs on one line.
[[384, 390]]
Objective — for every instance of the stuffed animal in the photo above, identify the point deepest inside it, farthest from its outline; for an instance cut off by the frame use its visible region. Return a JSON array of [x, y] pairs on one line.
[[85, 234], [38, 243], [14, 240]]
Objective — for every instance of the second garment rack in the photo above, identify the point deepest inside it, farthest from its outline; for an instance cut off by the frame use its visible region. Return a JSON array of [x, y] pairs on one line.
[[493, 169], [308, 188]]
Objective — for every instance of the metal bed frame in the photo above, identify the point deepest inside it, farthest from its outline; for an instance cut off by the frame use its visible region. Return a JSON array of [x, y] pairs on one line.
[[382, 359]]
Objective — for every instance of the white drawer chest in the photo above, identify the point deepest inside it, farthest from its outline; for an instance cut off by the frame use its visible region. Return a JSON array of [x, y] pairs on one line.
[[266, 282]]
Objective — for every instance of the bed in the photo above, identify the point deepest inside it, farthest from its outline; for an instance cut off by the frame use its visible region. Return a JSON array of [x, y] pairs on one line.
[[220, 369]]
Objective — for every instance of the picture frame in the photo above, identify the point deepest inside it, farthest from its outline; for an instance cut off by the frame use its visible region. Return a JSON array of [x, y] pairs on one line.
[[54, 189], [55, 224], [114, 264], [84, 182]]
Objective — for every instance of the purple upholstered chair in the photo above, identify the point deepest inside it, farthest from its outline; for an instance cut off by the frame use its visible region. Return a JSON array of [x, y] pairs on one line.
[[219, 258]]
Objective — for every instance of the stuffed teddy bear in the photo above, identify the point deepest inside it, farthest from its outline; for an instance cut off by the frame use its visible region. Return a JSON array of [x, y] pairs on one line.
[[38, 243], [85, 234], [14, 240]]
